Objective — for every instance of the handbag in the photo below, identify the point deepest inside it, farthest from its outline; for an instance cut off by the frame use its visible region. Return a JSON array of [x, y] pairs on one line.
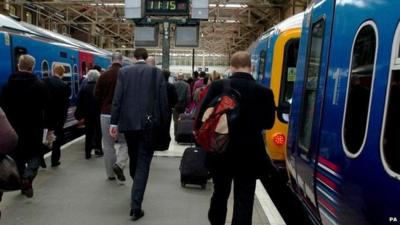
[[156, 133], [10, 179]]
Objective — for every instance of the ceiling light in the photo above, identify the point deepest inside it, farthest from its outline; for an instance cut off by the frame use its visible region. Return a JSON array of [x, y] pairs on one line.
[[108, 4], [230, 5]]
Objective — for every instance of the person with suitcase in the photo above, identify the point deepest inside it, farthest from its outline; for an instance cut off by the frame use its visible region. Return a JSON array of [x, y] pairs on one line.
[[244, 158]]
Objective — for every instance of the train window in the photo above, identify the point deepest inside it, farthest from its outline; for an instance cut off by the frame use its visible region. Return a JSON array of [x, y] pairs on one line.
[[359, 89], [18, 51], [390, 142], [261, 66], [45, 69], [311, 79], [288, 78]]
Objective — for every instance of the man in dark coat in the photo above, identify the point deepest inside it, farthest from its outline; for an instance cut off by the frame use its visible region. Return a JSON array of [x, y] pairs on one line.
[[88, 109], [57, 109], [245, 157], [130, 106], [24, 101]]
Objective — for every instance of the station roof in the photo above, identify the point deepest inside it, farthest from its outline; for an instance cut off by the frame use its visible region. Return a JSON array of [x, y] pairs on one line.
[[232, 24]]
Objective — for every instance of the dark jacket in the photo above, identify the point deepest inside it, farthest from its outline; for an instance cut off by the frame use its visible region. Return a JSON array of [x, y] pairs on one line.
[[183, 92], [172, 96], [246, 152], [105, 88], [24, 99], [57, 109], [87, 106], [131, 97], [8, 137]]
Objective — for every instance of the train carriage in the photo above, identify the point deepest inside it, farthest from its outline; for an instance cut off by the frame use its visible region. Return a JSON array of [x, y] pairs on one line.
[[343, 148], [275, 67]]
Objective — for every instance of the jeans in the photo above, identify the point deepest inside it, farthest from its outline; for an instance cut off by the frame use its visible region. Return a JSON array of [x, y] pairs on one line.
[[114, 153], [28, 168], [139, 166], [244, 188]]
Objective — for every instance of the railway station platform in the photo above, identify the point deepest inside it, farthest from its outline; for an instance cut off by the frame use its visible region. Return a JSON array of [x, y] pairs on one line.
[[78, 193]]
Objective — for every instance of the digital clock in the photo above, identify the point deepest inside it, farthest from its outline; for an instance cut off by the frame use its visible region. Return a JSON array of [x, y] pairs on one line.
[[166, 7]]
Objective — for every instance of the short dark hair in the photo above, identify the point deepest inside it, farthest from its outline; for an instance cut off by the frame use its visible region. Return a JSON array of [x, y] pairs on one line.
[[140, 53], [203, 74], [166, 74], [195, 74]]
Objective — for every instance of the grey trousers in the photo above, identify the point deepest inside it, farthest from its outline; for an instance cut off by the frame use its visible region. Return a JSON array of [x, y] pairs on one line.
[[115, 152]]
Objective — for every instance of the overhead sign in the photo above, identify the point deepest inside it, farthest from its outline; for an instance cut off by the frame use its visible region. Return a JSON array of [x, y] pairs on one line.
[[166, 7]]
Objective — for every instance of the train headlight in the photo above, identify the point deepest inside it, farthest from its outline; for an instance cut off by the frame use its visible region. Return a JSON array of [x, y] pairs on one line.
[[279, 139]]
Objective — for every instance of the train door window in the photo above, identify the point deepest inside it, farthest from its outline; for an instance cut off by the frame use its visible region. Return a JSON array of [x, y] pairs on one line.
[[76, 79], [67, 77], [12, 11], [261, 65], [359, 89], [288, 78], [311, 85], [390, 142], [45, 69], [18, 51]]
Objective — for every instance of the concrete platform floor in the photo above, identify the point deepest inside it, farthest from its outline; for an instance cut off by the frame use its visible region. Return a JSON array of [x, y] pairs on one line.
[[78, 193]]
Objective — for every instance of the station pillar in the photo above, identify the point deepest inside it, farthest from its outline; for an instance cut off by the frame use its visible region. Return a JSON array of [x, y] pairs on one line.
[[166, 46]]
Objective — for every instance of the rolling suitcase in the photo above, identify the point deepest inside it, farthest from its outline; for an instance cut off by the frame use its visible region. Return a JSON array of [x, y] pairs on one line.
[[184, 130], [192, 168]]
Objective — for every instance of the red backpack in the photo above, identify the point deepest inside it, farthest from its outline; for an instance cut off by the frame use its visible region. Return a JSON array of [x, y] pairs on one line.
[[219, 120]]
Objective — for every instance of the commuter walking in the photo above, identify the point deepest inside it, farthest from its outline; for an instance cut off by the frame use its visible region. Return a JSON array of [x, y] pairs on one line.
[[140, 99], [24, 100], [115, 155], [88, 110], [183, 91], [57, 109], [245, 156]]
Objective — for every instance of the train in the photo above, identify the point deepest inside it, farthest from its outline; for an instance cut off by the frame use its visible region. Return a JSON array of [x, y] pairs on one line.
[[274, 57], [342, 151], [49, 48]]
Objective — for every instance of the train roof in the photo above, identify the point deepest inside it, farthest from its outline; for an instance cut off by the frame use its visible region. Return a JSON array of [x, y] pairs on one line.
[[9, 23], [292, 22], [53, 35]]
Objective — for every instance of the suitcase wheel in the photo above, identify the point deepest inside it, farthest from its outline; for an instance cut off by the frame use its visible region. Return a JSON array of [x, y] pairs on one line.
[[183, 184]]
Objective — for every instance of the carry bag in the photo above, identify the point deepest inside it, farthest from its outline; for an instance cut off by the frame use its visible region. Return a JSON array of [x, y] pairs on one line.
[[219, 119], [184, 129], [192, 168], [10, 179]]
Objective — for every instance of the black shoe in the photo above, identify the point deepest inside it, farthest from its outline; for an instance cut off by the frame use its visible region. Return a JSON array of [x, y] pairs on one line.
[[98, 152], [56, 164], [43, 163], [119, 172], [26, 188], [136, 214], [111, 178]]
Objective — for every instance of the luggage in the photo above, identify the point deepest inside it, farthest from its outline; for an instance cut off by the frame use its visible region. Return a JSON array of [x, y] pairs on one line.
[[192, 168], [184, 130]]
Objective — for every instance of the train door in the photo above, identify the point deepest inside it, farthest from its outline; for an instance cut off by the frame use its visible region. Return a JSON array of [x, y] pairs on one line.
[[312, 72], [5, 57], [85, 62]]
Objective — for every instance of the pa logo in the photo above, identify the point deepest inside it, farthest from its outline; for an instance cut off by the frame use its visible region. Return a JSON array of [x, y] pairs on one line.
[[393, 219]]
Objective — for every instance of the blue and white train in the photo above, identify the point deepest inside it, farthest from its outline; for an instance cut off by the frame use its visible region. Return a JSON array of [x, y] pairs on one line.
[[343, 154], [48, 48]]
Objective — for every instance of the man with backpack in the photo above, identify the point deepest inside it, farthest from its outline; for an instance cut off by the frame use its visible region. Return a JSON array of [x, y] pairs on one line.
[[243, 159]]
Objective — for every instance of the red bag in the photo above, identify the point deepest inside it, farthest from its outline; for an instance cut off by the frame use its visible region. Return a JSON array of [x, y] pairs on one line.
[[219, 120]]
